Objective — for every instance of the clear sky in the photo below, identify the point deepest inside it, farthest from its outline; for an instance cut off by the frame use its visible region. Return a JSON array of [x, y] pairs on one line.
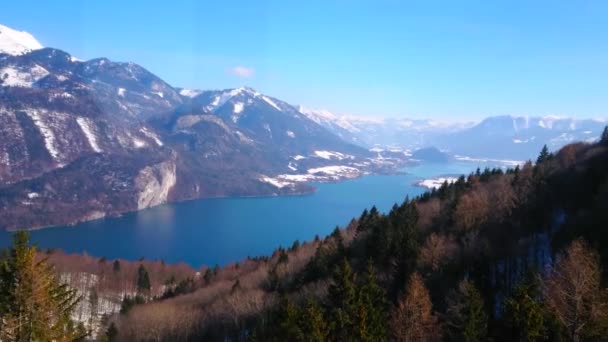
[[442, 59]]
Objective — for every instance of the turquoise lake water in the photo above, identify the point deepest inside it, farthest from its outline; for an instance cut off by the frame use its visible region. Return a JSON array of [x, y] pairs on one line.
[[223, 230]]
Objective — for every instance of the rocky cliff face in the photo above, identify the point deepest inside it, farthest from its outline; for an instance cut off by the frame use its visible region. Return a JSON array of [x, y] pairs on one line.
[[153, 184]]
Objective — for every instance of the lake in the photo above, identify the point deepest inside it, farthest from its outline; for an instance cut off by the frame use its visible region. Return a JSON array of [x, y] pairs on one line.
[[222, 230]]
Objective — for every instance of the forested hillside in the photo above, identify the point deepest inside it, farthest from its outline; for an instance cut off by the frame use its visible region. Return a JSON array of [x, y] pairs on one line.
[[515, 255]]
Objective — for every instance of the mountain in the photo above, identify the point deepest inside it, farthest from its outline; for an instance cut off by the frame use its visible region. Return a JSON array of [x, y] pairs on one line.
[[87, 139], [15, 42], [375, 131], [519, 137], [503, 137]]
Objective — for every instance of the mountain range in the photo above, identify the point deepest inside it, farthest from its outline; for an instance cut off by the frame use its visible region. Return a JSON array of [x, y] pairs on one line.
[[86, 139]]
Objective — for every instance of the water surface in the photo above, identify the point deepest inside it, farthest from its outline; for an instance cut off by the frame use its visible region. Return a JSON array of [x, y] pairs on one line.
[[223, 230]]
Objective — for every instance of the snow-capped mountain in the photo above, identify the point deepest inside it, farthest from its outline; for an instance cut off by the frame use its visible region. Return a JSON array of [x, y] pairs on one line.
[[15, 42], [377, 131], [520, 137], [85, 139]]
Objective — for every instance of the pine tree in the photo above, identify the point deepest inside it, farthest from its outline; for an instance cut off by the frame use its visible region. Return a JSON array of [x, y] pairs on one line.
[[116, 266], [143, 280], [544, 155], [289, 319], [314, 325], [524, 313], [412, 319], [34, 305], [604, 138], [372, 300], [466, 317], [343, 298]]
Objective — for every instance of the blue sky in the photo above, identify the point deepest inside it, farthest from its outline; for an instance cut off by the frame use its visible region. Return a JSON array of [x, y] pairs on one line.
[[442, 59]]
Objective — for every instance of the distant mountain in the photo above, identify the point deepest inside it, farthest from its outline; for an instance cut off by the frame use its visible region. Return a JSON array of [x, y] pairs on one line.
[[506, 137], [519, 137], [86, 139], [370, 131]]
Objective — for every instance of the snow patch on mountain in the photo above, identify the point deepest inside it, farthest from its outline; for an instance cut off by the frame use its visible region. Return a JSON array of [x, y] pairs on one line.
[[290, 134], [86, 128], [15, 42], [50, 142], [329, 155], [13, 77], [151, 135], [272, 103], [190, 92]]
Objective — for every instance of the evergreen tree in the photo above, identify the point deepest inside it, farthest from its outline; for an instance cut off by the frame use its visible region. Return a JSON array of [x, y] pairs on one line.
[[372, 300], [524, 313], [34, 305], [143, 280], [343, 299], [544, 155], [604, 138], [289, 319], [466, 318], [116, 266], [314, 324]]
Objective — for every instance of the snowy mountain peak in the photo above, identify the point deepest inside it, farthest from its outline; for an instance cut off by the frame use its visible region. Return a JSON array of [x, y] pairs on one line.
[[15, 42]]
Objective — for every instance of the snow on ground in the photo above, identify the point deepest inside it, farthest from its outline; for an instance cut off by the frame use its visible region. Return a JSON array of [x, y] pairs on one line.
[[274, 181], [329, 155], [270, 102], [48, 135], [160, 94], [13, 77], [151, 135], [238, 107], [298, 157], [435, 183], [138, 143], [505, 162], [334, 170], [189, 92], [33, 195], [121, 91], [267, 127], [292, 167], [15, 42], [291, 134], [86, 128]]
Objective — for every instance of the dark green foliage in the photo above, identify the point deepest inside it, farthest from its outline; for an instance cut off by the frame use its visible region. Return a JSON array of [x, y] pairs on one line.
[[116, 266], [143, 280], [343, 299], [314, 325], [466, 317], [34, 305], [544, 155], [604, 137], [129, 302], [525, 314], [184, 286], [289, 317]]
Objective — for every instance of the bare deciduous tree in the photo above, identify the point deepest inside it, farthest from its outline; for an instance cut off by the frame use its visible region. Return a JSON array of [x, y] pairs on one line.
[[573, 293]]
